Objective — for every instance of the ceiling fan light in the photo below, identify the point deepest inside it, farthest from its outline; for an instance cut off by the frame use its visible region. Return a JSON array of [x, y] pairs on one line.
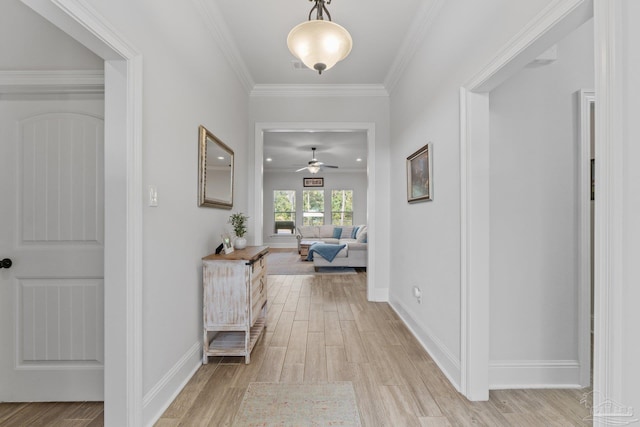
[[319, 44], [314, 169]]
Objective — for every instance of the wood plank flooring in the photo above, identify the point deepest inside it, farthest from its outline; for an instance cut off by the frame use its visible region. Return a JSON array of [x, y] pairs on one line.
[[322, 329]]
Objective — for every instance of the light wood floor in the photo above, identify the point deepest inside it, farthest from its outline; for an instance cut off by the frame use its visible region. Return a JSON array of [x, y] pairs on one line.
[[322, 329], [62, 414]]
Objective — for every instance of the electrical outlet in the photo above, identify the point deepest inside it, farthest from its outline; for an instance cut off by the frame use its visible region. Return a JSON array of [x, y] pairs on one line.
[[417, 293]]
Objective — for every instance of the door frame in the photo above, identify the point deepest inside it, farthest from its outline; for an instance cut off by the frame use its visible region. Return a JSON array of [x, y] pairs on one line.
[[553, 23], [585, 98], [123, 202], [256, 204]]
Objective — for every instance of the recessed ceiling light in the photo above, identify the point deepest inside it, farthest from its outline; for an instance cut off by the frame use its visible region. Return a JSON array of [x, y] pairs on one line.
[[358, 159], [269, 159], [220, 158]]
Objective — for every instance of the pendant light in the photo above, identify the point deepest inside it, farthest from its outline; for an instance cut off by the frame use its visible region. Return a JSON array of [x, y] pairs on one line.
[[319, 44]]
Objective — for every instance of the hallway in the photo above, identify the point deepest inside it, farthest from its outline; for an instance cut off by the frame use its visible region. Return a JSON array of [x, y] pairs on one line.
[[322, 329]]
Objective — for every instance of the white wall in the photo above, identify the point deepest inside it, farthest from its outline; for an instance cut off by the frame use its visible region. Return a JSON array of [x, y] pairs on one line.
[[425, 108], [356, 181], [353, 109], [187, 82], [534, 224], [30, 42]]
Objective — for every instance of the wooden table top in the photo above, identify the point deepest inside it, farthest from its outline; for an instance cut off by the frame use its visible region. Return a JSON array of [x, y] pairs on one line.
[[250, 253]]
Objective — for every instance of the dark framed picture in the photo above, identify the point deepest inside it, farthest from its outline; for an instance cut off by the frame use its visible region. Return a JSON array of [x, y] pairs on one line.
[[419, 175], [313, 182]]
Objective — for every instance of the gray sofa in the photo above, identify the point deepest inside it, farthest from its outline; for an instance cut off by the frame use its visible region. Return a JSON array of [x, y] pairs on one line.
[[353, 255]]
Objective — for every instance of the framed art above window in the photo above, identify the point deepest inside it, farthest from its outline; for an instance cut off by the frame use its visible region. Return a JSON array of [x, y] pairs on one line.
[[419, 175], [313, 182]]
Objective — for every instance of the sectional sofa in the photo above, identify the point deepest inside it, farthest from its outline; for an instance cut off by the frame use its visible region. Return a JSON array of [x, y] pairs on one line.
[[354, 253]]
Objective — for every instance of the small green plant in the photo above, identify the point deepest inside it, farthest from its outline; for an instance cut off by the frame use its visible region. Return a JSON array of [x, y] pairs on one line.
[[239, 223]]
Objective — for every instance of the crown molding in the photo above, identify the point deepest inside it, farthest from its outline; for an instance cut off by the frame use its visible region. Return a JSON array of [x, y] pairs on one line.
[[416, 35], [319, 90], [52, 81], [218, 29]]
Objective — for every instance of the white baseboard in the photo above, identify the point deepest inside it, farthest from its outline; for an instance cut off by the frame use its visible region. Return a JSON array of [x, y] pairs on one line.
[[380, 295], [158, 399], [446, 361], [510, 374]]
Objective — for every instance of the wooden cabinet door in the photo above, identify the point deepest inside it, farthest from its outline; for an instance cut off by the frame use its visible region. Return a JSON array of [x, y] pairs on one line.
[[225, 294]]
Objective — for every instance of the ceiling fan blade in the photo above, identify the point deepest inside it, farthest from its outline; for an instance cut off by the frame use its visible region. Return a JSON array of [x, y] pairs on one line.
[[330, 166], [301, 169]]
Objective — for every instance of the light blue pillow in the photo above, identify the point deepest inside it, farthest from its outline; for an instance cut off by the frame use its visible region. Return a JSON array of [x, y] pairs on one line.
[[354, 232], [337, 232]]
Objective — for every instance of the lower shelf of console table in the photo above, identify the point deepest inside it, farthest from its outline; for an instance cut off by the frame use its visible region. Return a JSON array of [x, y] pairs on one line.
[[234, 343]]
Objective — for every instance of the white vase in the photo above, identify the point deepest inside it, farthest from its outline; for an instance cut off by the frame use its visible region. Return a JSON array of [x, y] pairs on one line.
[[240, 243]]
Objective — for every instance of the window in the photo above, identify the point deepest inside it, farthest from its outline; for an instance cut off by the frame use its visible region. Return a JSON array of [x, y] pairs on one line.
[[313, 207], [284, 211], [342, 207]]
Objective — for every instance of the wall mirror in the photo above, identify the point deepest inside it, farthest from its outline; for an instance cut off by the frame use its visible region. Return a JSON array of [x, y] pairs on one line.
[[215, 171]]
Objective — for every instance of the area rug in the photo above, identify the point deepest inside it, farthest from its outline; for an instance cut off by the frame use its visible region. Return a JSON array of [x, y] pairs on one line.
[[293, 405], [290, 263]]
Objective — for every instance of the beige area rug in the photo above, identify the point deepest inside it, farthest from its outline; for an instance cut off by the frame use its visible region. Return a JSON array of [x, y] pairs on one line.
[[298, 405], [290, 263]]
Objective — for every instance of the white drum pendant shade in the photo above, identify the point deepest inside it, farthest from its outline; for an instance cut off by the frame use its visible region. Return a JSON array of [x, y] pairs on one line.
[[319, 44]]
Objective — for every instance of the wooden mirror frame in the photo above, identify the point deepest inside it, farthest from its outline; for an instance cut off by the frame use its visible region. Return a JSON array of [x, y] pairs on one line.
[[212, 189]]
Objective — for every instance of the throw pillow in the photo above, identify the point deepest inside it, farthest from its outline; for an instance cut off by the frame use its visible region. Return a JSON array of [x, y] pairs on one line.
[[337, 232], [362, 237], [354, 232], [346, 232]]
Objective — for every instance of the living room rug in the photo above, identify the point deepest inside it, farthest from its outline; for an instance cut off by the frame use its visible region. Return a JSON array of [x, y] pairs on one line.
[[293, 405], [289, 263]]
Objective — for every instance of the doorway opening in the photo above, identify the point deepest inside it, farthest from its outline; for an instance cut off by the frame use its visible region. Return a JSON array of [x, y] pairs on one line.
[[123, 203], [256, 205]]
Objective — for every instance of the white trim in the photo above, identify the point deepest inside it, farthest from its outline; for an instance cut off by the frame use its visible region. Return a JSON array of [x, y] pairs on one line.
[[212, 18], [440, 354], [159, 398], [416, 35], [52, 81], [555, 21], [256, 204], [586, 98], [474, 244], [318, 90], [379, 295], [609, 208], [123, 248], [512, 374]]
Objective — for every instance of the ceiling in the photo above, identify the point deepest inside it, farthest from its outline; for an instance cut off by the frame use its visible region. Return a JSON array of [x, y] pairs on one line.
[[382, 31], [254, 35], [290, 151]]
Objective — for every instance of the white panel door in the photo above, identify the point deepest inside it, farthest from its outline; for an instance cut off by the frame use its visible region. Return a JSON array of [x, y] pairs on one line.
[[52, 216]]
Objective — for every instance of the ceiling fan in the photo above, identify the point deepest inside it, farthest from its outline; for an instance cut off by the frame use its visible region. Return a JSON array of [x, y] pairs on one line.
[[314, 165]]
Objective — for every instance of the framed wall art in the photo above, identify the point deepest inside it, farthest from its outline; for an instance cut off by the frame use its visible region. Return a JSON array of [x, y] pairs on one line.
[[419, 175], [313, 182]]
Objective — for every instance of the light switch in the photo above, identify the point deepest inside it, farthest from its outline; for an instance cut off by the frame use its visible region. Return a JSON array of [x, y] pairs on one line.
[[153, 196]]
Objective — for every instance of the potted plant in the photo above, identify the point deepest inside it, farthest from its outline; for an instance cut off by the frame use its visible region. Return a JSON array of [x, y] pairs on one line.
[[239, 223]]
